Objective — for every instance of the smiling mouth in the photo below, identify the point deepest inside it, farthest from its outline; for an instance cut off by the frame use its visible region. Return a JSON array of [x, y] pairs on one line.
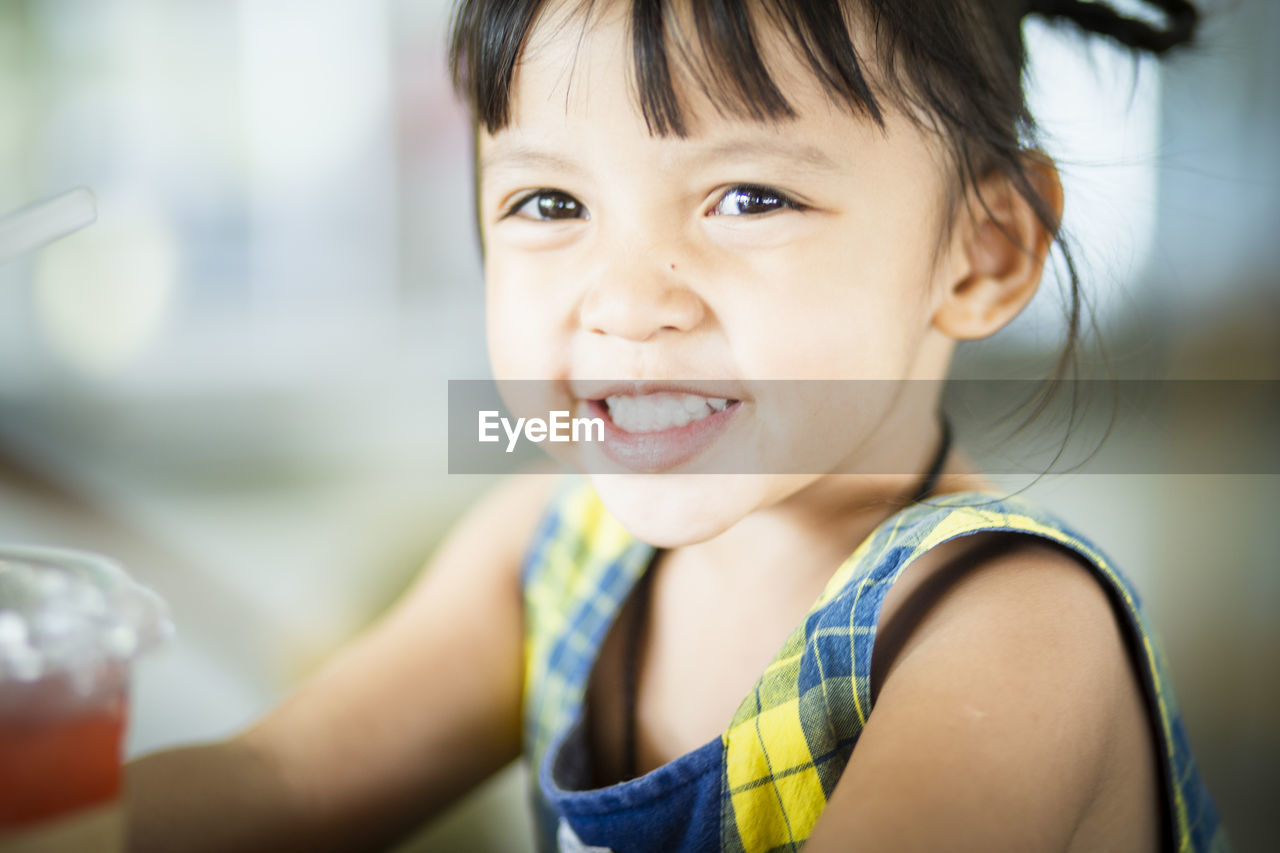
[[661, 411], [662, 428]]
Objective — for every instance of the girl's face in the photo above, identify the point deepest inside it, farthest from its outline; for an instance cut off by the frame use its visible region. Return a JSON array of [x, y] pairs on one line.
[[746, 251]]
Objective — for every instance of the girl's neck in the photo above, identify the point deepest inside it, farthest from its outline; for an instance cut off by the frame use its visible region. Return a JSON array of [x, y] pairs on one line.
[[815, 528]]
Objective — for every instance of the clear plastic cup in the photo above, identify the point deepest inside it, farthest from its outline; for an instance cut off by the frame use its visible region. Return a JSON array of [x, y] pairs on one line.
[[71, 624]]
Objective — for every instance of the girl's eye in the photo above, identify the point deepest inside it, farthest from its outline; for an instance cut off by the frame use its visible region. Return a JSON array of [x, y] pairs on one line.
[[548, 205], [750, 199]]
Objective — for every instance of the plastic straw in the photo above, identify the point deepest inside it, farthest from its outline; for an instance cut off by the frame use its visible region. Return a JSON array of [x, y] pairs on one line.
[[40, 224]]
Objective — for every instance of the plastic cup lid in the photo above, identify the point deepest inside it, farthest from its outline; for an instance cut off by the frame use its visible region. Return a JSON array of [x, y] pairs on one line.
[[71, 612]]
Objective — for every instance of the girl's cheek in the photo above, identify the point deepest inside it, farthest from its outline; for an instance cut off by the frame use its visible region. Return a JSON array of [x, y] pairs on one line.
[[522, 323]]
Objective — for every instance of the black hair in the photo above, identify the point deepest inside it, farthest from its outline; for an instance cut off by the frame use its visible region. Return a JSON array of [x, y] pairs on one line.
[[956, 65]]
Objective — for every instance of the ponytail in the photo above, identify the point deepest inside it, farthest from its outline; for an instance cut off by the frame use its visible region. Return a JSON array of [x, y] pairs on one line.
[[1181, 19]]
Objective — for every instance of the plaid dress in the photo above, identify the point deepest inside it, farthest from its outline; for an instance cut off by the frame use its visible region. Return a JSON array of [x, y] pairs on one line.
[[762, 784]]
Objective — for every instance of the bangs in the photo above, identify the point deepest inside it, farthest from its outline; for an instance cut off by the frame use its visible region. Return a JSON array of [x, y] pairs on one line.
[[713, 43]]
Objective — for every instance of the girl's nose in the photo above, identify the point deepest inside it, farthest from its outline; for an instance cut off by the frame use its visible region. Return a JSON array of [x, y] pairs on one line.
[[637, 303]]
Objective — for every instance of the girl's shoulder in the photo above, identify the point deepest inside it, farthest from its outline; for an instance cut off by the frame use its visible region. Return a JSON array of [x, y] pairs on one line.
[[978, 650], [1000, 674], [1000, 637]]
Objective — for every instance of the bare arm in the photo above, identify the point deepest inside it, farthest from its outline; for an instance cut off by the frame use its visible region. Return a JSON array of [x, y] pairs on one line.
[[1009, 719], [411, 714]]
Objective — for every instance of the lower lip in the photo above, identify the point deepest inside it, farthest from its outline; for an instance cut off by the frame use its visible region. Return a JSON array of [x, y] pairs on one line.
[[653, 452]]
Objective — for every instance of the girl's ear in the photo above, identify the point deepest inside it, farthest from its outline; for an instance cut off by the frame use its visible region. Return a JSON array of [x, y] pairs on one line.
[[999, 247]]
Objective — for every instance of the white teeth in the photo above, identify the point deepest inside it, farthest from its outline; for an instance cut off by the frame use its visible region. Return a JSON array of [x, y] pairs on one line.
[[656, 412]]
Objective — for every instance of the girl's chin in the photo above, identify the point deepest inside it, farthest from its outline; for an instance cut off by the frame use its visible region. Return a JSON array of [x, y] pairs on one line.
[[674, 510]]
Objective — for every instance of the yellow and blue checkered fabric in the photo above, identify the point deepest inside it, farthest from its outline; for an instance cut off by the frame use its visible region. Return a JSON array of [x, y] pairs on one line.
[[764, 785]]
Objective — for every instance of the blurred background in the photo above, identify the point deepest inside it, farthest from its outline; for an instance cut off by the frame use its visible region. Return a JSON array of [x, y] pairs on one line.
[[234, 381]]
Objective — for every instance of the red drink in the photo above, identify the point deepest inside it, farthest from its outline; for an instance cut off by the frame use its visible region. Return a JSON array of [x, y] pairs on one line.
[[70, 624], [60, 763]]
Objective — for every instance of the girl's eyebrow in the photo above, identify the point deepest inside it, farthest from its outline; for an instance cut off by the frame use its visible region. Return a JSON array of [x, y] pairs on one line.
[[513, 156], [790, 152]]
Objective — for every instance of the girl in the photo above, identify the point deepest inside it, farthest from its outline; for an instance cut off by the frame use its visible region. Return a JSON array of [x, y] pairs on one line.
[[678, 201]]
